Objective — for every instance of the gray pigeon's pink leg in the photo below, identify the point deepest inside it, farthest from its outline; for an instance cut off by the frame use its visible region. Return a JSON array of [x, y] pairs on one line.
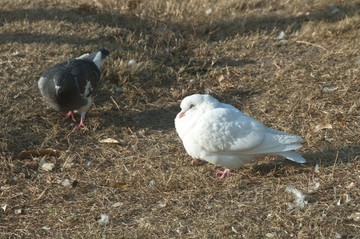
[[81, 123], [70, 114], [82, 120]]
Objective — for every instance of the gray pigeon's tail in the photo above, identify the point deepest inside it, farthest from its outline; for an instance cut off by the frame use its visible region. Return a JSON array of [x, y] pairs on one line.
[[91, 57], [99, 56], [104, 53], [95, 57]]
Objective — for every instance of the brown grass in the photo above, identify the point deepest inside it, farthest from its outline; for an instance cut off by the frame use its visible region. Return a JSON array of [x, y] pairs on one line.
[[232, 53]]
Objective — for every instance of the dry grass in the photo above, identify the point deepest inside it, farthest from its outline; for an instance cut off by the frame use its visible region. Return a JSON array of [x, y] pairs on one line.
[[232, 53]]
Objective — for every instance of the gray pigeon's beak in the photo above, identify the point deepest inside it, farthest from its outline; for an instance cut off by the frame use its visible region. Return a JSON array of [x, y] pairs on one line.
[[57, 89], [181, 114]]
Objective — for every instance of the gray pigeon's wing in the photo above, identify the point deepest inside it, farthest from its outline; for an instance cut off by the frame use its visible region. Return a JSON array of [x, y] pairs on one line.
[[78, 79], [68, 86], [85, 75]]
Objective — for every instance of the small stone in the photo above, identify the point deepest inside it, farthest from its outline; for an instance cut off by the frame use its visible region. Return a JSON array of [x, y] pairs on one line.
[[132, 62], [87, 164], [66, 183], [357, 60], [151, 183], [47, 166], [117, 204], [317, 168], [337, 235], [335, 10], [68, 165], [19, 211], [290, 207], [104, 219], [327, 89], [270, 235], [281, 35]]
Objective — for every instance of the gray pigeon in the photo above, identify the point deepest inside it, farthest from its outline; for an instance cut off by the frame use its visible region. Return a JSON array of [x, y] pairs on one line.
[[67, 86]]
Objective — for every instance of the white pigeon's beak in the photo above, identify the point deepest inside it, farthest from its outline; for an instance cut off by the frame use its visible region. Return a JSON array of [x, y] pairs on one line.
[[181, 114]]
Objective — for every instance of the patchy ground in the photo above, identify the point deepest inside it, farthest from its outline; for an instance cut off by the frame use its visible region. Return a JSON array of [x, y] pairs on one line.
[[303, 81]]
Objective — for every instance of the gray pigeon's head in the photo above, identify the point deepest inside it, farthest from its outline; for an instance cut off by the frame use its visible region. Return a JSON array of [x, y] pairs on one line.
[[63, 85]]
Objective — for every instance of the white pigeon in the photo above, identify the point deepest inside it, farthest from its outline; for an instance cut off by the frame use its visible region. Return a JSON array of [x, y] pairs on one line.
[[67, 86], [220, 134]]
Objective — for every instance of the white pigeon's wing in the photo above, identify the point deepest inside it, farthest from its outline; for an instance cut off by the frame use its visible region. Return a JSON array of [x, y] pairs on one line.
[[275, 144], [276, 141], [228, 130]]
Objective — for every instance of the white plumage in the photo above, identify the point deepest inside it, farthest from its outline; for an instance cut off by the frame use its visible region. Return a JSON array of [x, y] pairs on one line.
[[220, 134]]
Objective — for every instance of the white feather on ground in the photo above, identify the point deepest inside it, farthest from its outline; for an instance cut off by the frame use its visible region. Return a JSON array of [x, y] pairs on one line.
[[299, 196]]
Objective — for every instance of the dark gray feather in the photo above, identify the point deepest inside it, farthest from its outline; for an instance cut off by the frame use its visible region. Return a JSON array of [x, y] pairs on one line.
[[64, 85]]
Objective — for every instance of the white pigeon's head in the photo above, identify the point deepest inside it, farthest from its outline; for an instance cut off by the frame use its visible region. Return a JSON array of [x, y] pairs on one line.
[[196, 103], [192, 108]]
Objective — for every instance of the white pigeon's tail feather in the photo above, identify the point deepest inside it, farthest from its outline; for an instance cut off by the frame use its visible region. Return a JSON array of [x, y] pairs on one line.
[[293, 156]]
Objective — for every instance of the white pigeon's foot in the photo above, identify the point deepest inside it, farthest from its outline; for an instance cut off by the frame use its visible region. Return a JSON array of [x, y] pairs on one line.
[[70, 114], [221, 174]]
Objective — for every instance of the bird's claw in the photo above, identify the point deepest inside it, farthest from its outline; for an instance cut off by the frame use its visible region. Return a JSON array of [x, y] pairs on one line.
[[81, 125], [221, 174], [70, 114]]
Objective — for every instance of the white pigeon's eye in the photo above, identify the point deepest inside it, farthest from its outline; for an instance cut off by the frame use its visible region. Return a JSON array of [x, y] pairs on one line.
[[191, 106]]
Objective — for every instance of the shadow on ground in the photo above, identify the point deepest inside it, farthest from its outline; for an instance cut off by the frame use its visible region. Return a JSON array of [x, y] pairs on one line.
[[328, 157]]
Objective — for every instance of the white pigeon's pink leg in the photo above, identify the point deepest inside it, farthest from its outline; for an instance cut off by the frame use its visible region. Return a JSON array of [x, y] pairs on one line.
[[70, 114], [221, 174]]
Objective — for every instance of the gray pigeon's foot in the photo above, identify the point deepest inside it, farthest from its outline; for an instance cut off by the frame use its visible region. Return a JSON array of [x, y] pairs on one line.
[[81, 125], [70, 114]]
